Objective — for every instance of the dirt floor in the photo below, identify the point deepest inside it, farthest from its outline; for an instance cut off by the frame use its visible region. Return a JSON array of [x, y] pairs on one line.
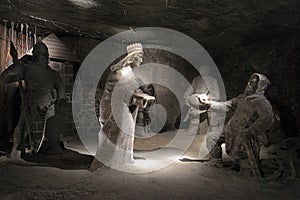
[[65, 176]]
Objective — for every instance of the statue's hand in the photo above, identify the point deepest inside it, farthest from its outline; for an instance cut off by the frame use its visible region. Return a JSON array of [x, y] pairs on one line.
[[203, 98], [142, 100]]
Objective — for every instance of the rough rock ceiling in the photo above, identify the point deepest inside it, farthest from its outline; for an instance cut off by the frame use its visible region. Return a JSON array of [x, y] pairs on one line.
[[208, 21]]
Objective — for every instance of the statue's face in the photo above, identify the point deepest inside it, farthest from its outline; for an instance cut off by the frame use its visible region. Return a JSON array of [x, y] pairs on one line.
[[42, 58], [137, 59], [40, 53], [252, 85]]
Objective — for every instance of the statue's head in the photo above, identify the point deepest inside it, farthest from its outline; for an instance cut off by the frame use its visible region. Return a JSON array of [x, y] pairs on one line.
[[257, 84], [40, 53], [135, 55]]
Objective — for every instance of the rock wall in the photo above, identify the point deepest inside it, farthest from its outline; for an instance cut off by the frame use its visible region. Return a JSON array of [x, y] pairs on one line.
[[277, 58]]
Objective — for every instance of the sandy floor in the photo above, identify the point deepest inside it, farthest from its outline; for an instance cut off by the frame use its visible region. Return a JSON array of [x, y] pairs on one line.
[[180, 180]]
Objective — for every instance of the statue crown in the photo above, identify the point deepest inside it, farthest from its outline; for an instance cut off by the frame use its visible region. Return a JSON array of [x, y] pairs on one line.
[[134, 47]]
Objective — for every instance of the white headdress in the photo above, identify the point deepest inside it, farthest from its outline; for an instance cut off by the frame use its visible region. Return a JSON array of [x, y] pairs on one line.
[[132, 49]]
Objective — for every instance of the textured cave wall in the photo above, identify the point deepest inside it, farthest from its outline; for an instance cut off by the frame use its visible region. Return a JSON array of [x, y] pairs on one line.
[[278, 58]]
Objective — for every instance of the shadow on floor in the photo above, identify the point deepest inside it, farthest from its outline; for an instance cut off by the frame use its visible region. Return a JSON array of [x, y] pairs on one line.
[[66, 159]]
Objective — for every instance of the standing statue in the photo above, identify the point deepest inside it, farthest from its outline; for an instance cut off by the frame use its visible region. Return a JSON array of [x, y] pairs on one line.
[[117, 123], [245, 131], [43, 87], [202, 84]]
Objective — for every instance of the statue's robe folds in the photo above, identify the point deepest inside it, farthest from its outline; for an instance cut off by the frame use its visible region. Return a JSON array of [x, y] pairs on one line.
[[116, 136]]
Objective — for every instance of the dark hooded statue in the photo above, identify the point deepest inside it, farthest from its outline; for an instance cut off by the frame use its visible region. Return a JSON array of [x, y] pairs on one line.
[[43, 88], [253, 116]]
